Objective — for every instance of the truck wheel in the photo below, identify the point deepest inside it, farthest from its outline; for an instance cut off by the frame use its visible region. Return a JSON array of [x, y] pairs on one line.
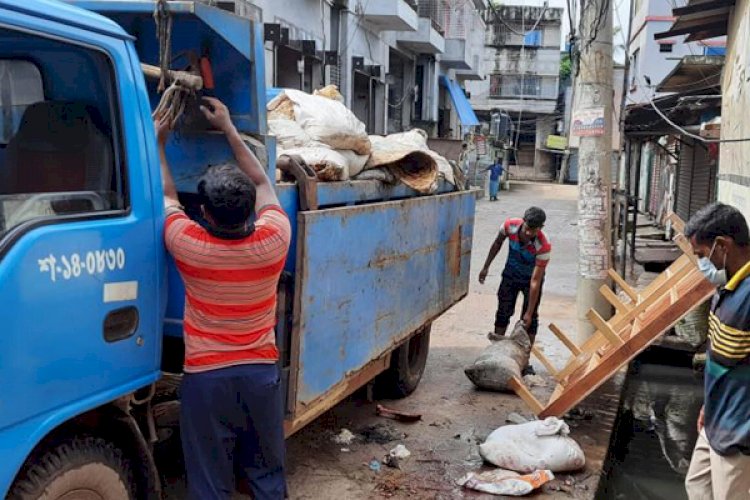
[[82, 469], [407, 365]]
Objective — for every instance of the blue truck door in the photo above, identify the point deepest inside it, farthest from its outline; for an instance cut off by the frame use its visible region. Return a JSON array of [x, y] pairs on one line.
[[81, 256]]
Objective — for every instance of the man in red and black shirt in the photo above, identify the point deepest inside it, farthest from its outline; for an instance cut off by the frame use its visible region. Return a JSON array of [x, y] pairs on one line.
[[528, 254], [231, 412]]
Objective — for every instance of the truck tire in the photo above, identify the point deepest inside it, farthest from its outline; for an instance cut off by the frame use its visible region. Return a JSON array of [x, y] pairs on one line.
[[84, 468], [407, 365]]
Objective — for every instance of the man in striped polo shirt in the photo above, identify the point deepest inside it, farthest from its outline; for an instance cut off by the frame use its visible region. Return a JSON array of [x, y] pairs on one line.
[[720, 467], [528, 254], [231, 411]]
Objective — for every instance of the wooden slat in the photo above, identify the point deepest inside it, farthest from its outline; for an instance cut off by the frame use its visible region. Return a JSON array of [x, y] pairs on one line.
[[523, 392], [620, 320], [695, 291], [545, 361], [572, 347], [613, 299], [677, 222], [558, 390], [623, 285], [604, 328], [573, 365]]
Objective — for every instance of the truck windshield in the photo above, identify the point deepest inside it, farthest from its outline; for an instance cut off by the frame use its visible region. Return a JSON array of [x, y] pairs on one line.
[[57, 149]]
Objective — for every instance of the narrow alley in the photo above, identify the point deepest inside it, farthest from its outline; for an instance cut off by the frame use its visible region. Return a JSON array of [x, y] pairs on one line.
[[456, 417]]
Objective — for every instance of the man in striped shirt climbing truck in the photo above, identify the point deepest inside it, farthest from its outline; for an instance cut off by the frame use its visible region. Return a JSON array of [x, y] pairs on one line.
[[720, 467], [231, 396]]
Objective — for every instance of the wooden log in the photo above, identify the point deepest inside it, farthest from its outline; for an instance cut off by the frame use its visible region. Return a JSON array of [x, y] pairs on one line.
[[189, 80]]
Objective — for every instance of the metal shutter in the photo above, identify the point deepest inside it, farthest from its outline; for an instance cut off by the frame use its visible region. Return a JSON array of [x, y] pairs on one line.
[[696, 179]]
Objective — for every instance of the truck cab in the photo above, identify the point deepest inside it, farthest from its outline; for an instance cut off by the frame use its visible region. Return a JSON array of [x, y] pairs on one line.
[[82, 265], [91, 312]]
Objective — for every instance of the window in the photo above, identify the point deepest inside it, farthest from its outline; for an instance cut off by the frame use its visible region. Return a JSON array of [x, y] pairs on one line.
[[634, 70], [714, 51], [58, 131], [536, 86], [533, 38], [665, 47]]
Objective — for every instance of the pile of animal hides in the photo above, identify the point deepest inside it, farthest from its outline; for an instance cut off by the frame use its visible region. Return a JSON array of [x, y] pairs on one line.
[[334, 143]]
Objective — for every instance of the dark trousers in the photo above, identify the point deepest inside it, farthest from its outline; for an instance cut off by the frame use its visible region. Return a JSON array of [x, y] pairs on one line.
[[232, 419], [506, 303]]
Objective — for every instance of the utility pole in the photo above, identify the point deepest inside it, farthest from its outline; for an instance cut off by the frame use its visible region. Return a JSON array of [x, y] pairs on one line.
[[593, 107]]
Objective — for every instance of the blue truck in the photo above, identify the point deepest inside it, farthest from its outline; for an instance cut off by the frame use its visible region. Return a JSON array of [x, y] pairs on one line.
[[91, 305]]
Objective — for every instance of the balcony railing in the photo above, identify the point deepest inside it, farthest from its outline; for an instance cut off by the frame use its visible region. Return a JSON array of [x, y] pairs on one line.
[[436, 11]]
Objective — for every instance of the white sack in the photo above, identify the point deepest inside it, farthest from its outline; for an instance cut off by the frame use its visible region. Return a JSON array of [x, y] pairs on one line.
[[329, 165], [328, 121], [355, 163], [288, 134], [540, 444]]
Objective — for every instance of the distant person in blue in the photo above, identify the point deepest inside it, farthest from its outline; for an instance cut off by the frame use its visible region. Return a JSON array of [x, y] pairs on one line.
[[496, 171], [720, 467]]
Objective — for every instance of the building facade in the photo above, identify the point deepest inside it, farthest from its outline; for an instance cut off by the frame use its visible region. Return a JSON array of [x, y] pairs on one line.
[[653, 57], [522, 57], [387, 57]]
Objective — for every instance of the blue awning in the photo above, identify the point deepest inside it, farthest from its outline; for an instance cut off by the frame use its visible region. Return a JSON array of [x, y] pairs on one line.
[[466, 115]]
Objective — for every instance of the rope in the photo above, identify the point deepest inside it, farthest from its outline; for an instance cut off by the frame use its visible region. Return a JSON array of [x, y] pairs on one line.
[[163, 19], [174, 96]]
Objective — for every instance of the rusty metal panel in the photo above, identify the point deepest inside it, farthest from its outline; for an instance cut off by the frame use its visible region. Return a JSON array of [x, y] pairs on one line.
[[368, 276]]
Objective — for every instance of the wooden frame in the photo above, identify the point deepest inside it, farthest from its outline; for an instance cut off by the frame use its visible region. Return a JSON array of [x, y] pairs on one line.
[[636, 324]]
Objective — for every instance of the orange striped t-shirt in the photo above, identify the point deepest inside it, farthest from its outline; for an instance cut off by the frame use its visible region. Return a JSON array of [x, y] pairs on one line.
[[230, 289]]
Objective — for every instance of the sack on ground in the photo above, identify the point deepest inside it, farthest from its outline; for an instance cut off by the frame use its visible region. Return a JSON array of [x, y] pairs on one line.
[[540, 444], [503, 360], [505, 482]]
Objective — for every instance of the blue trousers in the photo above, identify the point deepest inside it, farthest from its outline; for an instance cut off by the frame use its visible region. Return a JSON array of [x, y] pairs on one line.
[[494, 187], [231, 419]]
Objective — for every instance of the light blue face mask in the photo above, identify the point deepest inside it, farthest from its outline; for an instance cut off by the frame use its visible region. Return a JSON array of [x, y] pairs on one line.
[[717, 277]]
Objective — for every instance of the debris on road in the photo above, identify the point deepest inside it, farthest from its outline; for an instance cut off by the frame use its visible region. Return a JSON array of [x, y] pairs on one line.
[[396, 456], [505, 482], [345, 437], [374, 465], [381, 434], [501, 362], [397, 415], [541, 444]]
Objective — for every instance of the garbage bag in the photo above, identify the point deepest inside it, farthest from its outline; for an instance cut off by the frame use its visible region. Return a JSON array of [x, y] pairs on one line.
[[500, 362], [540, 444]]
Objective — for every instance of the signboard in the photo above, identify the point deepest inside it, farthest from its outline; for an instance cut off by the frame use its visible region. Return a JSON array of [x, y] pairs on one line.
[[588, 122], [557, 142], [481, 143]]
